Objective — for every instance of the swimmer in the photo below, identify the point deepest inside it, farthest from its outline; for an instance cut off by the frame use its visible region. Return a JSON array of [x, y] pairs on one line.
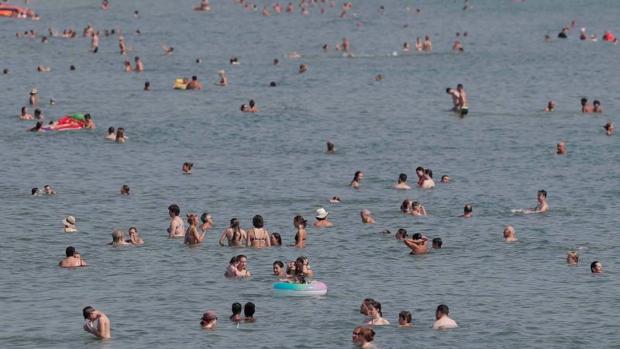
[[468, 211], [209, 320], [379, 77], [303, 68], [357, 179], [88, 122], [300, 236], [167, 50], [443, 321], [401, 234], [463, 106], [596, 267], [207, 222], [121, 45], [302, 268], [139, 65], [560, 148], [236, 312], [374, 311], [105, 5], [34, 97], [404, 319], [125, 190], [187, 167], [134, 238], [72, 259], [250, 108], [418, 44], [237, 267], [38, 115], [367, 217], [572, 258], [248, 312], [223, 81], [321, 219], [36, 192], [258, 236], [563, 34], [427, 44], [445, 179], [272, 84], [176, 228], [120, 135], [276, 61], [405, 206], [147, 86], [550, 107], [204, 6], [127, 66], [266, 12], [111, 136], [235, 236], [194, 84], [118, 239], [417, 209], [24, 115], [609, 128], [437, 243], [97, 323], [335, 200], [425, 180], [585, 106], [331, 147], [402, 182], [278, 269], [364, 306], [69, 224], [192, 237], [94, 42], [276, 239], [509, 234], [418, 244], [596, 107], [406, 46], [43, 69], [542, 206], [37, 127], [234, 61], [457, 46]]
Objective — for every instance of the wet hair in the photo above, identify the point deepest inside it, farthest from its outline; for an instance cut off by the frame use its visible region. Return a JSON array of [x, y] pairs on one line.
[[236, 308], [136, 58], [468, 208], [194, 78], [87, 311], [248, 309], [272, 84], [584, 101], [448, 89], [238, 258], [174, 208], [330, 146], [120, 134], [37, 112], [404, 207], [34, 191], [37, 127], [257, 221], [437, 242], [70, 251], [429, 172], [111, 130], [416, 236], [405, 315], [543, 193], [459, 86], [87, 116], [147, 84], [233, 260], [401, 233], [299, 221], [593, 265], [442, 308], [419, 168], [279, 263], [277, 237], [356, 175], [276, 61], [251, 103], [204, 216], [402, 178], [377, 305], [125, 188], [596, 102], [367, 333], [5, 71], [71, 67]]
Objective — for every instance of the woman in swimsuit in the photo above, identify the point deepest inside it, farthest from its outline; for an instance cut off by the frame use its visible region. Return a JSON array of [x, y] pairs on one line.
[[191, 235], [234, 235], [258, 237], [357, 180], [300, 237]]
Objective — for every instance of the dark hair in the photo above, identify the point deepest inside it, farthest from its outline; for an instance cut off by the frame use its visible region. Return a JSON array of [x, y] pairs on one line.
[[272, 84], [194, 78], [468, 208], [110, 130], [448, 90], [87, 116], [87, 311], [70, 251], [593, 265], [299, 221], [404, 207], [204, 216], [416, 236], [405, 315], [257, 221], [279, 263], [236, 308], [34, 191], [543, 192], [402, 178], [419, 168], [429, 172], [136, 58], [437, 242], [584, 101], [71, 67], [251, 103], [459, 86], [401, 233], [238, 258], [367, 333], [377, 305], [330, 146], [248, 309], [442, 308], [125, 188], [356, 175], [37, 112], [596, 102], [174, 208], [277, 237]]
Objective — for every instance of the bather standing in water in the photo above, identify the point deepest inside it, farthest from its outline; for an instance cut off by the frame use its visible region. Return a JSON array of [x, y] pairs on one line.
[[258, 236], [235, 236]]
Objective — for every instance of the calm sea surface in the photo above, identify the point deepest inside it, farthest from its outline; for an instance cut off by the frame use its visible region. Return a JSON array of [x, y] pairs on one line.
[[273, 163]]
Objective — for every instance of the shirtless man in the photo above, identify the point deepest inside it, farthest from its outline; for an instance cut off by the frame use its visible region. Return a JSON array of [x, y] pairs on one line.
[[402, 182], [560, 148], [72, 259], [94, 41], [585, 106], [194, 84], [88, 122], [418, 243], [97, 323], [427, 44], [321, 219], [468, 211], [443, 321], [542, 206], [596, 107], [258, 237], [550, 107], [455, 98], [176, 228], [463, 106], [139, 65], [424, 179], [509, 234], [111, 134], [609, 128], [367, 217]]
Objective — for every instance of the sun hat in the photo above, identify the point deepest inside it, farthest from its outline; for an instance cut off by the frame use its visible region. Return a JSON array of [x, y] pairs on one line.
[[69, 220], [34, 91], [321, 213]]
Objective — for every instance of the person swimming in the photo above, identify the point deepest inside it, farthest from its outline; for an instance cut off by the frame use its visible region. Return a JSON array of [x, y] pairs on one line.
[[357, 179]]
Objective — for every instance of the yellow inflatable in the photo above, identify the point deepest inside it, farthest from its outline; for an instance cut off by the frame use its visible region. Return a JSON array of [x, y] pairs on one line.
[[181, 83]]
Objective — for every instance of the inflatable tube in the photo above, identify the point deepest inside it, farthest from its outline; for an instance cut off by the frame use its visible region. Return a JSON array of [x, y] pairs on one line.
[[314, 288], [67, 123], [180, 84]]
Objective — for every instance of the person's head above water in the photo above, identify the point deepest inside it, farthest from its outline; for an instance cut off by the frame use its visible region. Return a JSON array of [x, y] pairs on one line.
[[257, 221], [442, 310], [584, 101], [402, 178], [249, 309], [437, 243], [236, 308], [542, 193], [596, 267], [174, 210], [70, 251], [468, 209]]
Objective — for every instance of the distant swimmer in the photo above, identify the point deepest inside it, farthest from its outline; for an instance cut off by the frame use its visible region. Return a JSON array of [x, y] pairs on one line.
[[258, 236], [445, 179], [572, 258], [405, 319], [321, 219], [125, 190], [401, 234], [443, 321], [192, 237], [234, 235], [127, 66], [72, 259], [176, 228], [335, 200], [357, 180], [560, 148], [24, 115], [187, 168], [509, 234], [300, 236], [69, 224], [43, 69], [34, 97], [88, 122], [463, 106], [418, 44], [121, 45], [609, 128], [37, 127], [134, 237], [468, 211], [331, 148], [418, 244], [436, 243], [105, 5], [94, 42], [194, 84], [596, 107], [542, 206], [427, 44], [276, 239], [458, 45], [417, 209], [455, 98], [111, 136], [374, 311], [223, 78], [563, 34], [303, 68], [139, 65], [167, 50], [118, 239], [596, 267], [278, 269], [97, 323], [204, 6], [250, 107], [425, 179], [266, 12], [363, 337], [120, 135], [209, 320], [207, 221], [406, 46], [585, 106], [147, 86], [367, 217], [550, 107], [402, 182]]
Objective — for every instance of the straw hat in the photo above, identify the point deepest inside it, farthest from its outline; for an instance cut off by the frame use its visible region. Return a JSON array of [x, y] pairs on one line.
[[321, 213], [69, 220], [34, 91]]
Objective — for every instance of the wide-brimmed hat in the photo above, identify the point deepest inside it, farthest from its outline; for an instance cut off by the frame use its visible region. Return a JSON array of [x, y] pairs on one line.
[[69, 220], [34, 91], [321, 213], [209, 315]]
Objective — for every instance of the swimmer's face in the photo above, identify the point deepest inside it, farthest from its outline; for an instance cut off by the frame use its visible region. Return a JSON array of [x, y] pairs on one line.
[[277, 270], [243, 263], [598, 268], [420, 173], [364, 309], [355, 336]]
